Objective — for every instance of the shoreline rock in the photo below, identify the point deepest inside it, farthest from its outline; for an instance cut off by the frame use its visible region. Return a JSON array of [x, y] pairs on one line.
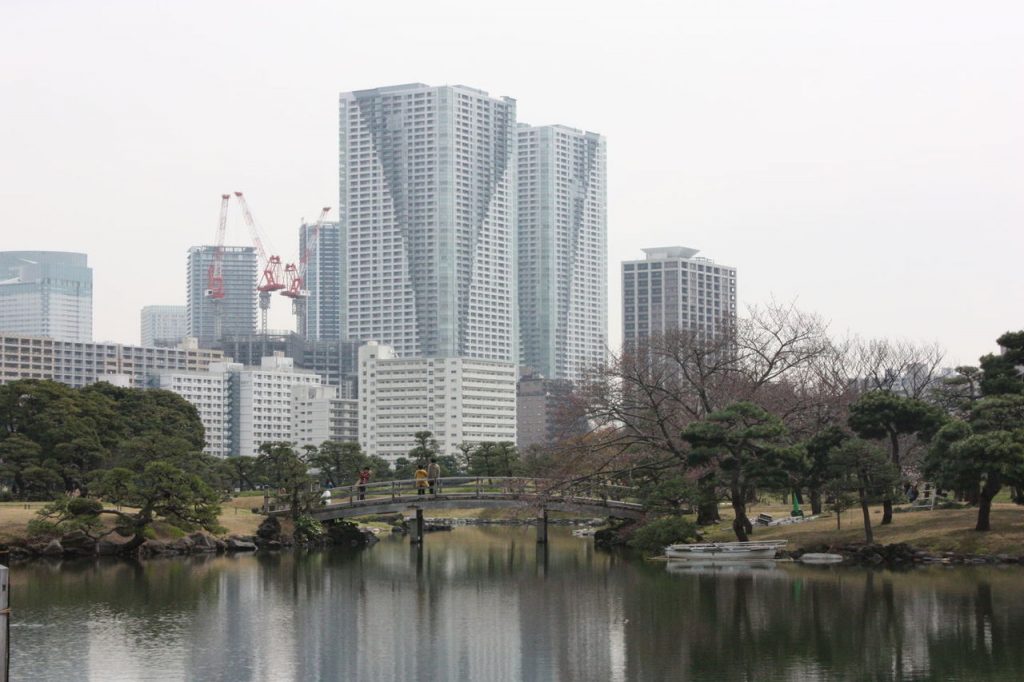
[[901, 555]]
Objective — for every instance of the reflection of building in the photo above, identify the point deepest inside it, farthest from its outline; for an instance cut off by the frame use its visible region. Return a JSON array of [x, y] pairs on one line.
[[324, 274], [79, 364], [428, 209], [46, 293], [237, 309], [544, 412], [243, 407], [562, 251], [333, 360], [457, 399], [672, 289], [163, 325]]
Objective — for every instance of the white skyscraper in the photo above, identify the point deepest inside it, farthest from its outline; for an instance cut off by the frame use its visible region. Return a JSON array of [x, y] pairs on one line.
[[673, 288], [562, 250], [427, 212]]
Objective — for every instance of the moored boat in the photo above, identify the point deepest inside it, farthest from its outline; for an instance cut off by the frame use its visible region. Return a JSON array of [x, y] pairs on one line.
[[726, 551]]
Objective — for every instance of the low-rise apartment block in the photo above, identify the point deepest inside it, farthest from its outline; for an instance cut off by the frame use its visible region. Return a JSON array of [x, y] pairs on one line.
[[457, 399], [80, 363]]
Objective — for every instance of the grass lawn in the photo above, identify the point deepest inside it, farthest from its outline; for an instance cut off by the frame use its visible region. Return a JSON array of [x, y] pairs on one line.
[[236, 516], [940, 530]]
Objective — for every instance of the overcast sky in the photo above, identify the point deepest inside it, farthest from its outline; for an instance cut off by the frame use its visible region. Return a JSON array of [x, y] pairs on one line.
[[863, 158]]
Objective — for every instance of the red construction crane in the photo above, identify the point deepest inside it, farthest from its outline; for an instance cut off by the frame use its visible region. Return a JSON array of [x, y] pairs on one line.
[[215, 273], [296, 276], [270, 280]]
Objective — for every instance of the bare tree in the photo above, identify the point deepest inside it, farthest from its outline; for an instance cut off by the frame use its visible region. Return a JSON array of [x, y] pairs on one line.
[[896, 366], [778, 357]]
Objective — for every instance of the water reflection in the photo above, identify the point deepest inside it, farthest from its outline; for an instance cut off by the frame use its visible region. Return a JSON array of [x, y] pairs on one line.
[[490, 604]]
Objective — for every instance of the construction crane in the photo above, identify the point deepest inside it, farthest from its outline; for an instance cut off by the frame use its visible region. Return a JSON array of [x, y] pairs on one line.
[[215, 273], [270, 281], [296, 276]]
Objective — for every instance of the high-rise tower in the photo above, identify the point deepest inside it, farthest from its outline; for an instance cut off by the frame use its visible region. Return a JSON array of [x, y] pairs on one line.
[[562, 250], [427, 220], [237, 308], [324, 273], [46, 293], [674, 289]]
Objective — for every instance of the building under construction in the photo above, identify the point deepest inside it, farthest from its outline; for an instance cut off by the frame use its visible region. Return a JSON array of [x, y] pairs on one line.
[[238, 307]]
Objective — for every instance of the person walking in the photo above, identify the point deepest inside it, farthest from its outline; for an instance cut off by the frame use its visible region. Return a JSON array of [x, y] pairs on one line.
[[433, 475], [364, 478], [421, 480]]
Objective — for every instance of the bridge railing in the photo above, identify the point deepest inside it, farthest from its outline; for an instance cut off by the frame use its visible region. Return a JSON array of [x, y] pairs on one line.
[[470, 487]]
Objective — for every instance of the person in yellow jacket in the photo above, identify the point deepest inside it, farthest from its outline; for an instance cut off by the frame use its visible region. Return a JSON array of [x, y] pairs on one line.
[[421, 480]]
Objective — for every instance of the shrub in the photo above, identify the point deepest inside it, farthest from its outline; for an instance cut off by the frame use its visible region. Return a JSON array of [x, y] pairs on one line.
[[308, 529], [652, 537]]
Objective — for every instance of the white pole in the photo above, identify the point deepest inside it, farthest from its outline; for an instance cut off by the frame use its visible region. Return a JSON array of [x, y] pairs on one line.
[[5, 623]]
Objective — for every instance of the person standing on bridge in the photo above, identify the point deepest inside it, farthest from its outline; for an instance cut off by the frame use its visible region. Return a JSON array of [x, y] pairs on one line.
[[421, 480], [364, 478], [433, 474]]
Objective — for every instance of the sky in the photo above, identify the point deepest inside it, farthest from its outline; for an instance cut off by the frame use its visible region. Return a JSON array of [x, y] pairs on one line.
[[861, 159]]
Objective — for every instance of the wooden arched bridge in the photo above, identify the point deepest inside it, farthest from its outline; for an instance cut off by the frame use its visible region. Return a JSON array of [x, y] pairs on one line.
[[475, 492]]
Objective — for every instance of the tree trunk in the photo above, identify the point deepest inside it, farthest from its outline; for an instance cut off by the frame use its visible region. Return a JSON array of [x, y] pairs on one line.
[[988, 491], [815, 502], [869, 536], [894, 440], [707, 508], [799, 496], [707, 513], [741, 524]]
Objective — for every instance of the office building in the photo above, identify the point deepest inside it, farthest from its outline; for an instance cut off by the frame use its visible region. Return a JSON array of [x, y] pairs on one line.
[[427, 198], [163, 325], [78, 364], [674, 289], [545, 414], [237, 310], [562, 251], [333, 360], [323, 308], [46, 293], [459, 400]]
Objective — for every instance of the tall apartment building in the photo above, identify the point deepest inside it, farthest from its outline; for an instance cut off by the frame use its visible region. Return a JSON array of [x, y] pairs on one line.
[[562, 250], [46, 293], [324, 272], [243, 407], [78, 364], [427, 197], [262, 409], [163, 325], [210, 392], [457, 399], [237, 308], [673, 288]]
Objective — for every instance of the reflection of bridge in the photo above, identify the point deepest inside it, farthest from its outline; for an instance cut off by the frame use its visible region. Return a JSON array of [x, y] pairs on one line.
[[475, 492]]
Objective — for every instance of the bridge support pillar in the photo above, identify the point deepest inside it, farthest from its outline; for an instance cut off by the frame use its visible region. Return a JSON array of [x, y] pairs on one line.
[[542, 526], [416, 530]]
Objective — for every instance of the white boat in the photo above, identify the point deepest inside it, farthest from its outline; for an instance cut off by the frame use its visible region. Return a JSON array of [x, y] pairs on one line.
[[821, 558], [720, 566], [726, 551]]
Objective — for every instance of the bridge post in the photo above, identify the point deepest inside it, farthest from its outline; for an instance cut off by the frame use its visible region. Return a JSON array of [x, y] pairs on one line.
[[416, 532], [542, 526]]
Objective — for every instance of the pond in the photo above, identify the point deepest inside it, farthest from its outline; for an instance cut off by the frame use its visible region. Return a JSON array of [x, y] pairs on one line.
[[488, 603]]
